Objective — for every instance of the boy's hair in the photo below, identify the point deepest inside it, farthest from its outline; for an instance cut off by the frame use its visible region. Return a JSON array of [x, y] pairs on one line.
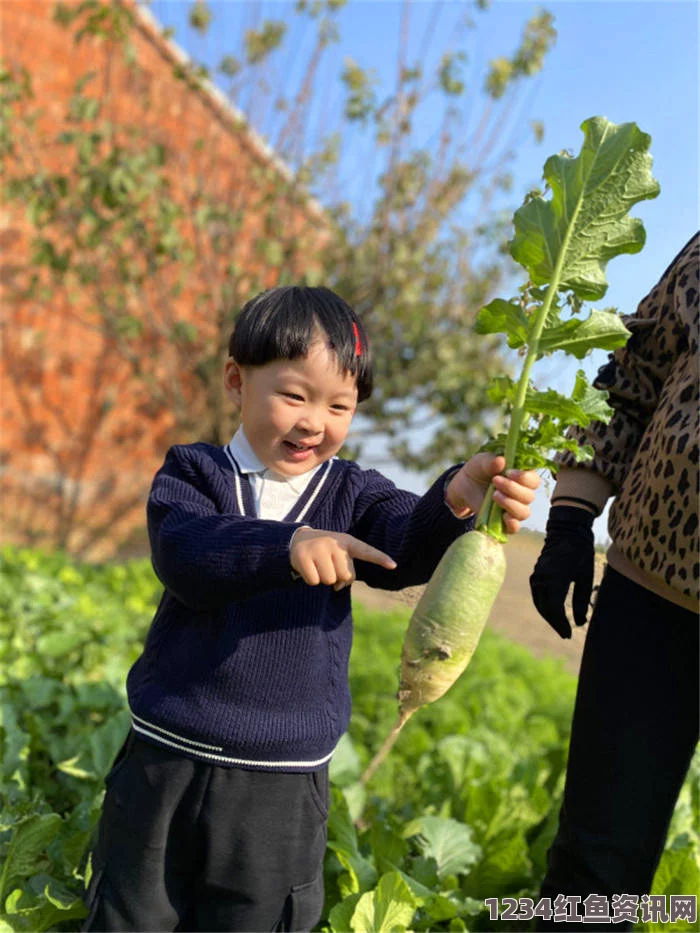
[[280, 324]]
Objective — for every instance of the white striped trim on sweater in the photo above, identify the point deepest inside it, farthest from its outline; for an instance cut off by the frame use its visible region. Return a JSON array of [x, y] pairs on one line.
[[187, 745], [239, 494], [316, 491], [326, 467], [137, 719]]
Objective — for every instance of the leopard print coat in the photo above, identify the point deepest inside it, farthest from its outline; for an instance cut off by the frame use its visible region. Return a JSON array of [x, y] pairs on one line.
[[647, 456]]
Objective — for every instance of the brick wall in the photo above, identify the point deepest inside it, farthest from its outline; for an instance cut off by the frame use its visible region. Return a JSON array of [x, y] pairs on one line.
[[81, 438]]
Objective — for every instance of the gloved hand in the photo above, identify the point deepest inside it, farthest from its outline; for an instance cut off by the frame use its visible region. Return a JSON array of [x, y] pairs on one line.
[[567, 557]]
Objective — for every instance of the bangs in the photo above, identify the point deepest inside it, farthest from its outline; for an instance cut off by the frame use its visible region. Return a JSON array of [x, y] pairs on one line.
[[282, 324]]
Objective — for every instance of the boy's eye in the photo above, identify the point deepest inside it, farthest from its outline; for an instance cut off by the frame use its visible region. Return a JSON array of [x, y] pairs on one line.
[[292, 395], [340, 407]]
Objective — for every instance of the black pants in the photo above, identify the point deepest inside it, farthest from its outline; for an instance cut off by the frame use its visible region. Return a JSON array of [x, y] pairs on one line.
[[184, 845], [634, 732]]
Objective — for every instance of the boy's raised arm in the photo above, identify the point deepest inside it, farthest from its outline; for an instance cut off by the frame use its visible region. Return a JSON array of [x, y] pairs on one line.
[[414, 530]]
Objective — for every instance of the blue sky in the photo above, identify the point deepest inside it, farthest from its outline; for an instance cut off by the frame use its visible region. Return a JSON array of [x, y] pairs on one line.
[[629, 61]]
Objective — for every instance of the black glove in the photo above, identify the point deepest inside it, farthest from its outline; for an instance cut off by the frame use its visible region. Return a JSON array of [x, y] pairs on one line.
[[567, 557]]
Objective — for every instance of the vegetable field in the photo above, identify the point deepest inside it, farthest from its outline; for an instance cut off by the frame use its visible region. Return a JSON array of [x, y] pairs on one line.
[[462, 810]]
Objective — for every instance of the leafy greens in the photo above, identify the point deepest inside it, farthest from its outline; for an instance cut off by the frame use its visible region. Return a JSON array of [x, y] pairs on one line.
[[564, 244]]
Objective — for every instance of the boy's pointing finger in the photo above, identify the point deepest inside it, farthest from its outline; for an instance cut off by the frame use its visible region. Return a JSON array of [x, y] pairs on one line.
[[363, 551]]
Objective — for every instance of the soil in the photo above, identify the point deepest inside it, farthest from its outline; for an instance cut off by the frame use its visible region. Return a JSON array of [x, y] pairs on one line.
[[513, 614]]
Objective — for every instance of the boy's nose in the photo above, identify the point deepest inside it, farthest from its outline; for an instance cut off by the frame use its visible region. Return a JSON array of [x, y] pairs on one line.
[[310, 424]]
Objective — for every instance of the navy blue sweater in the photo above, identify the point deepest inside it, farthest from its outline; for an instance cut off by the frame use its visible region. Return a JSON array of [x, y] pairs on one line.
[[244, 665]]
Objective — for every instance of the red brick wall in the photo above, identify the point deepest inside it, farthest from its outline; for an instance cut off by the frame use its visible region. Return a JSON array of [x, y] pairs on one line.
[[80, 437]]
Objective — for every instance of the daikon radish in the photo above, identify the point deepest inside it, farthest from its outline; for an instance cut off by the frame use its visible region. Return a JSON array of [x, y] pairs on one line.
[[564, 243]]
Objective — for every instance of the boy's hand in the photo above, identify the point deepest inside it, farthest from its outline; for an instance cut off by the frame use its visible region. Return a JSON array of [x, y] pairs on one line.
[[514, 492], [327, 557]]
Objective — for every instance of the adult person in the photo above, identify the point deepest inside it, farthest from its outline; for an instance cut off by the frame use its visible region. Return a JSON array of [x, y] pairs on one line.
[[635, 723]]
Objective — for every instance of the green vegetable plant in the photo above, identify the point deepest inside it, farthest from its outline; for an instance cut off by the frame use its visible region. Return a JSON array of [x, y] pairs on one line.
[[564, 243], [464, 810]]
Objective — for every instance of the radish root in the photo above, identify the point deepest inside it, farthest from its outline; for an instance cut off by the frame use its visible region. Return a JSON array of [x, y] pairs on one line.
[[386, 745]]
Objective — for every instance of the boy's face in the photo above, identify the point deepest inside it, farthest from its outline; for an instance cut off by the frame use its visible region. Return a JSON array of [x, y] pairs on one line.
[[296, 413]]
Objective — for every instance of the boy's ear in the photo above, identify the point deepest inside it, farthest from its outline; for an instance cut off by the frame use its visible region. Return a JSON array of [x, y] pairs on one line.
[[233, 380]]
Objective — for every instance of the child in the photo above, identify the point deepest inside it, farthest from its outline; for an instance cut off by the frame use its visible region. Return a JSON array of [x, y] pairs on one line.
[[216, 807]]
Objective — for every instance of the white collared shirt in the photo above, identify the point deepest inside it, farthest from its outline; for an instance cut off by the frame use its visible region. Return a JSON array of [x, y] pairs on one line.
[[274, 494]]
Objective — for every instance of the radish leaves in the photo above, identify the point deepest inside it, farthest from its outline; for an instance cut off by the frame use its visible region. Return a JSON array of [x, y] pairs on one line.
[[564, 244]]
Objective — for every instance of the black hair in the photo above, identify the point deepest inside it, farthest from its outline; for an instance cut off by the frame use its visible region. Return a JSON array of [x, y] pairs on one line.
[[281, 323]]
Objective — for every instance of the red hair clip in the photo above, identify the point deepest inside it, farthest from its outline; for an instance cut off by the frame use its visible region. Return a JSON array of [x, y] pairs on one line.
[[358, 342]]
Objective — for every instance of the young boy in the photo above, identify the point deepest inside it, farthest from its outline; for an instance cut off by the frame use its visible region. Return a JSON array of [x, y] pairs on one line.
[[216, 807]]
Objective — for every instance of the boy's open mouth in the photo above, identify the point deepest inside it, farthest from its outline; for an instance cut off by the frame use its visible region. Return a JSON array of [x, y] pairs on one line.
[[300, 447]]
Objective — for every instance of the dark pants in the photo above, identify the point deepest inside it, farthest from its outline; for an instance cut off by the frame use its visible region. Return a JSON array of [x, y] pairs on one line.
[[184, 845], [634, 732]]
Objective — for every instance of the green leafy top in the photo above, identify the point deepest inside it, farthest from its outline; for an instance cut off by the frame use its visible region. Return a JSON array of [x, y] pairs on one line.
[[565, 244], [569, 240]]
